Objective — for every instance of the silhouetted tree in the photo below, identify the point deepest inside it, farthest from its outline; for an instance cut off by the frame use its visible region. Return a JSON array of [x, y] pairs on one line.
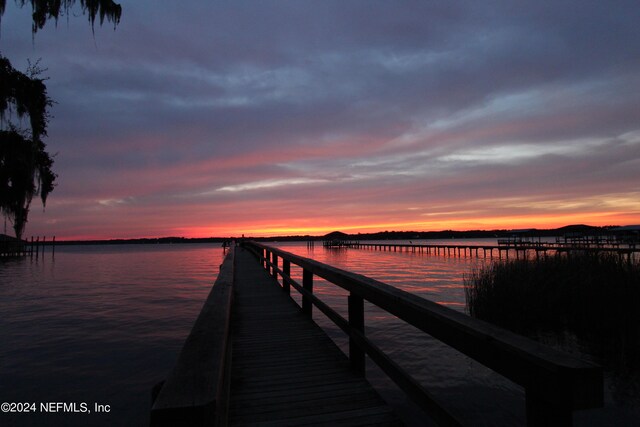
[[25, 165]]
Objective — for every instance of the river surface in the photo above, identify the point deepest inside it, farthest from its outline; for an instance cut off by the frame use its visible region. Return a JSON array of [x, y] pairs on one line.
[[102, 324]]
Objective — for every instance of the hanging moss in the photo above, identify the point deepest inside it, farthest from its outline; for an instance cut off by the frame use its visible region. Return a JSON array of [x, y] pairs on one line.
[[44, 10], [25, 165]]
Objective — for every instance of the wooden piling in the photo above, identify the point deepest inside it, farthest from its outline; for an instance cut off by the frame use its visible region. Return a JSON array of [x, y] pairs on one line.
[[356, 323], [307, 284]]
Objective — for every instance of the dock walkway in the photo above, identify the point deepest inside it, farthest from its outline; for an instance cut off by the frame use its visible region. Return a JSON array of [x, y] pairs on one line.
[[255, 358], [285, 370]]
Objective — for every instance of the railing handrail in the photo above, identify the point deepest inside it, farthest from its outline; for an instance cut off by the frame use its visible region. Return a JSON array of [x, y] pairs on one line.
[[196, 391], [554, 382]]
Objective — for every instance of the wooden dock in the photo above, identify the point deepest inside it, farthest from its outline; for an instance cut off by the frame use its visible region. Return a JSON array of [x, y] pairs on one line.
[[517, 250], [284, 370], [254, 357], [10, 247]]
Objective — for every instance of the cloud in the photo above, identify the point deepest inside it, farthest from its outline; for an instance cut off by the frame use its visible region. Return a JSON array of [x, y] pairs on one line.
[[259, 185], [321, 114]]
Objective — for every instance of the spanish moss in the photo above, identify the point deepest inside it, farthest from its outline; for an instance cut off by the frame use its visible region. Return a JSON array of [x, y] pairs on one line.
[[25, 165], [45, 10]]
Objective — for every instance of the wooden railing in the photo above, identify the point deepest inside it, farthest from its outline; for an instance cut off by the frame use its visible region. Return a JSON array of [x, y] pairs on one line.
[[555, 383], [196, 392]]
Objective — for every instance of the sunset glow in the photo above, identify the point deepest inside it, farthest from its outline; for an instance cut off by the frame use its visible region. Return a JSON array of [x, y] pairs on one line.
[[291, 118]]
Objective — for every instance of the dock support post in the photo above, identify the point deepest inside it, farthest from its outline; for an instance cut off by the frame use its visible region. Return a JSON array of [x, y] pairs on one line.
[[356, 323], [307, 283], [286, 269], [274, 268]]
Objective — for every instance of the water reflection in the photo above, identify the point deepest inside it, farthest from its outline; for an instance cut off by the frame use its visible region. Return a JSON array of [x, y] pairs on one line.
[[99, 324]]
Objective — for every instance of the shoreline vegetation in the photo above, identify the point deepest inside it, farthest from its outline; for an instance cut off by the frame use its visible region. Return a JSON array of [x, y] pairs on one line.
[[582, 302], [382, 235]]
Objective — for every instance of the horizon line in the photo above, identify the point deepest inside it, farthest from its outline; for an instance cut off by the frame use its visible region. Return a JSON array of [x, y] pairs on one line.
[[315, 236]]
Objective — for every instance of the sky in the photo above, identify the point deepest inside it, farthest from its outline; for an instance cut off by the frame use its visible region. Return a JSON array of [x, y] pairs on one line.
[[222, 118]]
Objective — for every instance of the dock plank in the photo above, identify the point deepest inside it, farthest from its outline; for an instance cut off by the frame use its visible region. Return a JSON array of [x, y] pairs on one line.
[[285, 369]]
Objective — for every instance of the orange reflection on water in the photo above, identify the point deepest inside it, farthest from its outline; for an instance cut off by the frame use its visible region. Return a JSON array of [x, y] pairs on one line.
[[434, 277]]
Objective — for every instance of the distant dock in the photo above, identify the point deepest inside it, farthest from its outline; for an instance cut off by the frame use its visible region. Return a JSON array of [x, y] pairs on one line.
[[254, 357], [504, 248], [10, 247]]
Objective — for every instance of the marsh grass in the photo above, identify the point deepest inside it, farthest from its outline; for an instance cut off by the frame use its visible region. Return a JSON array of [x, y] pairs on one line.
[[594, 297]]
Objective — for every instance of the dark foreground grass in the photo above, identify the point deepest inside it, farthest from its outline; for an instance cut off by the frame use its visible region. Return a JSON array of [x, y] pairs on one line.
[[594, 297]]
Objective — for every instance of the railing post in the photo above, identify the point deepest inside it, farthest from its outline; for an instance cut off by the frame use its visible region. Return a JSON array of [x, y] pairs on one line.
[[274, 268], [542, 413], [356, 323], [286, 269], [265, 257], [307, 283]]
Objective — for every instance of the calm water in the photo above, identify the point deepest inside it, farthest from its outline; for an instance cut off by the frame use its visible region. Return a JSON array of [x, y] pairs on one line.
[[103, 324], [98, 324]]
